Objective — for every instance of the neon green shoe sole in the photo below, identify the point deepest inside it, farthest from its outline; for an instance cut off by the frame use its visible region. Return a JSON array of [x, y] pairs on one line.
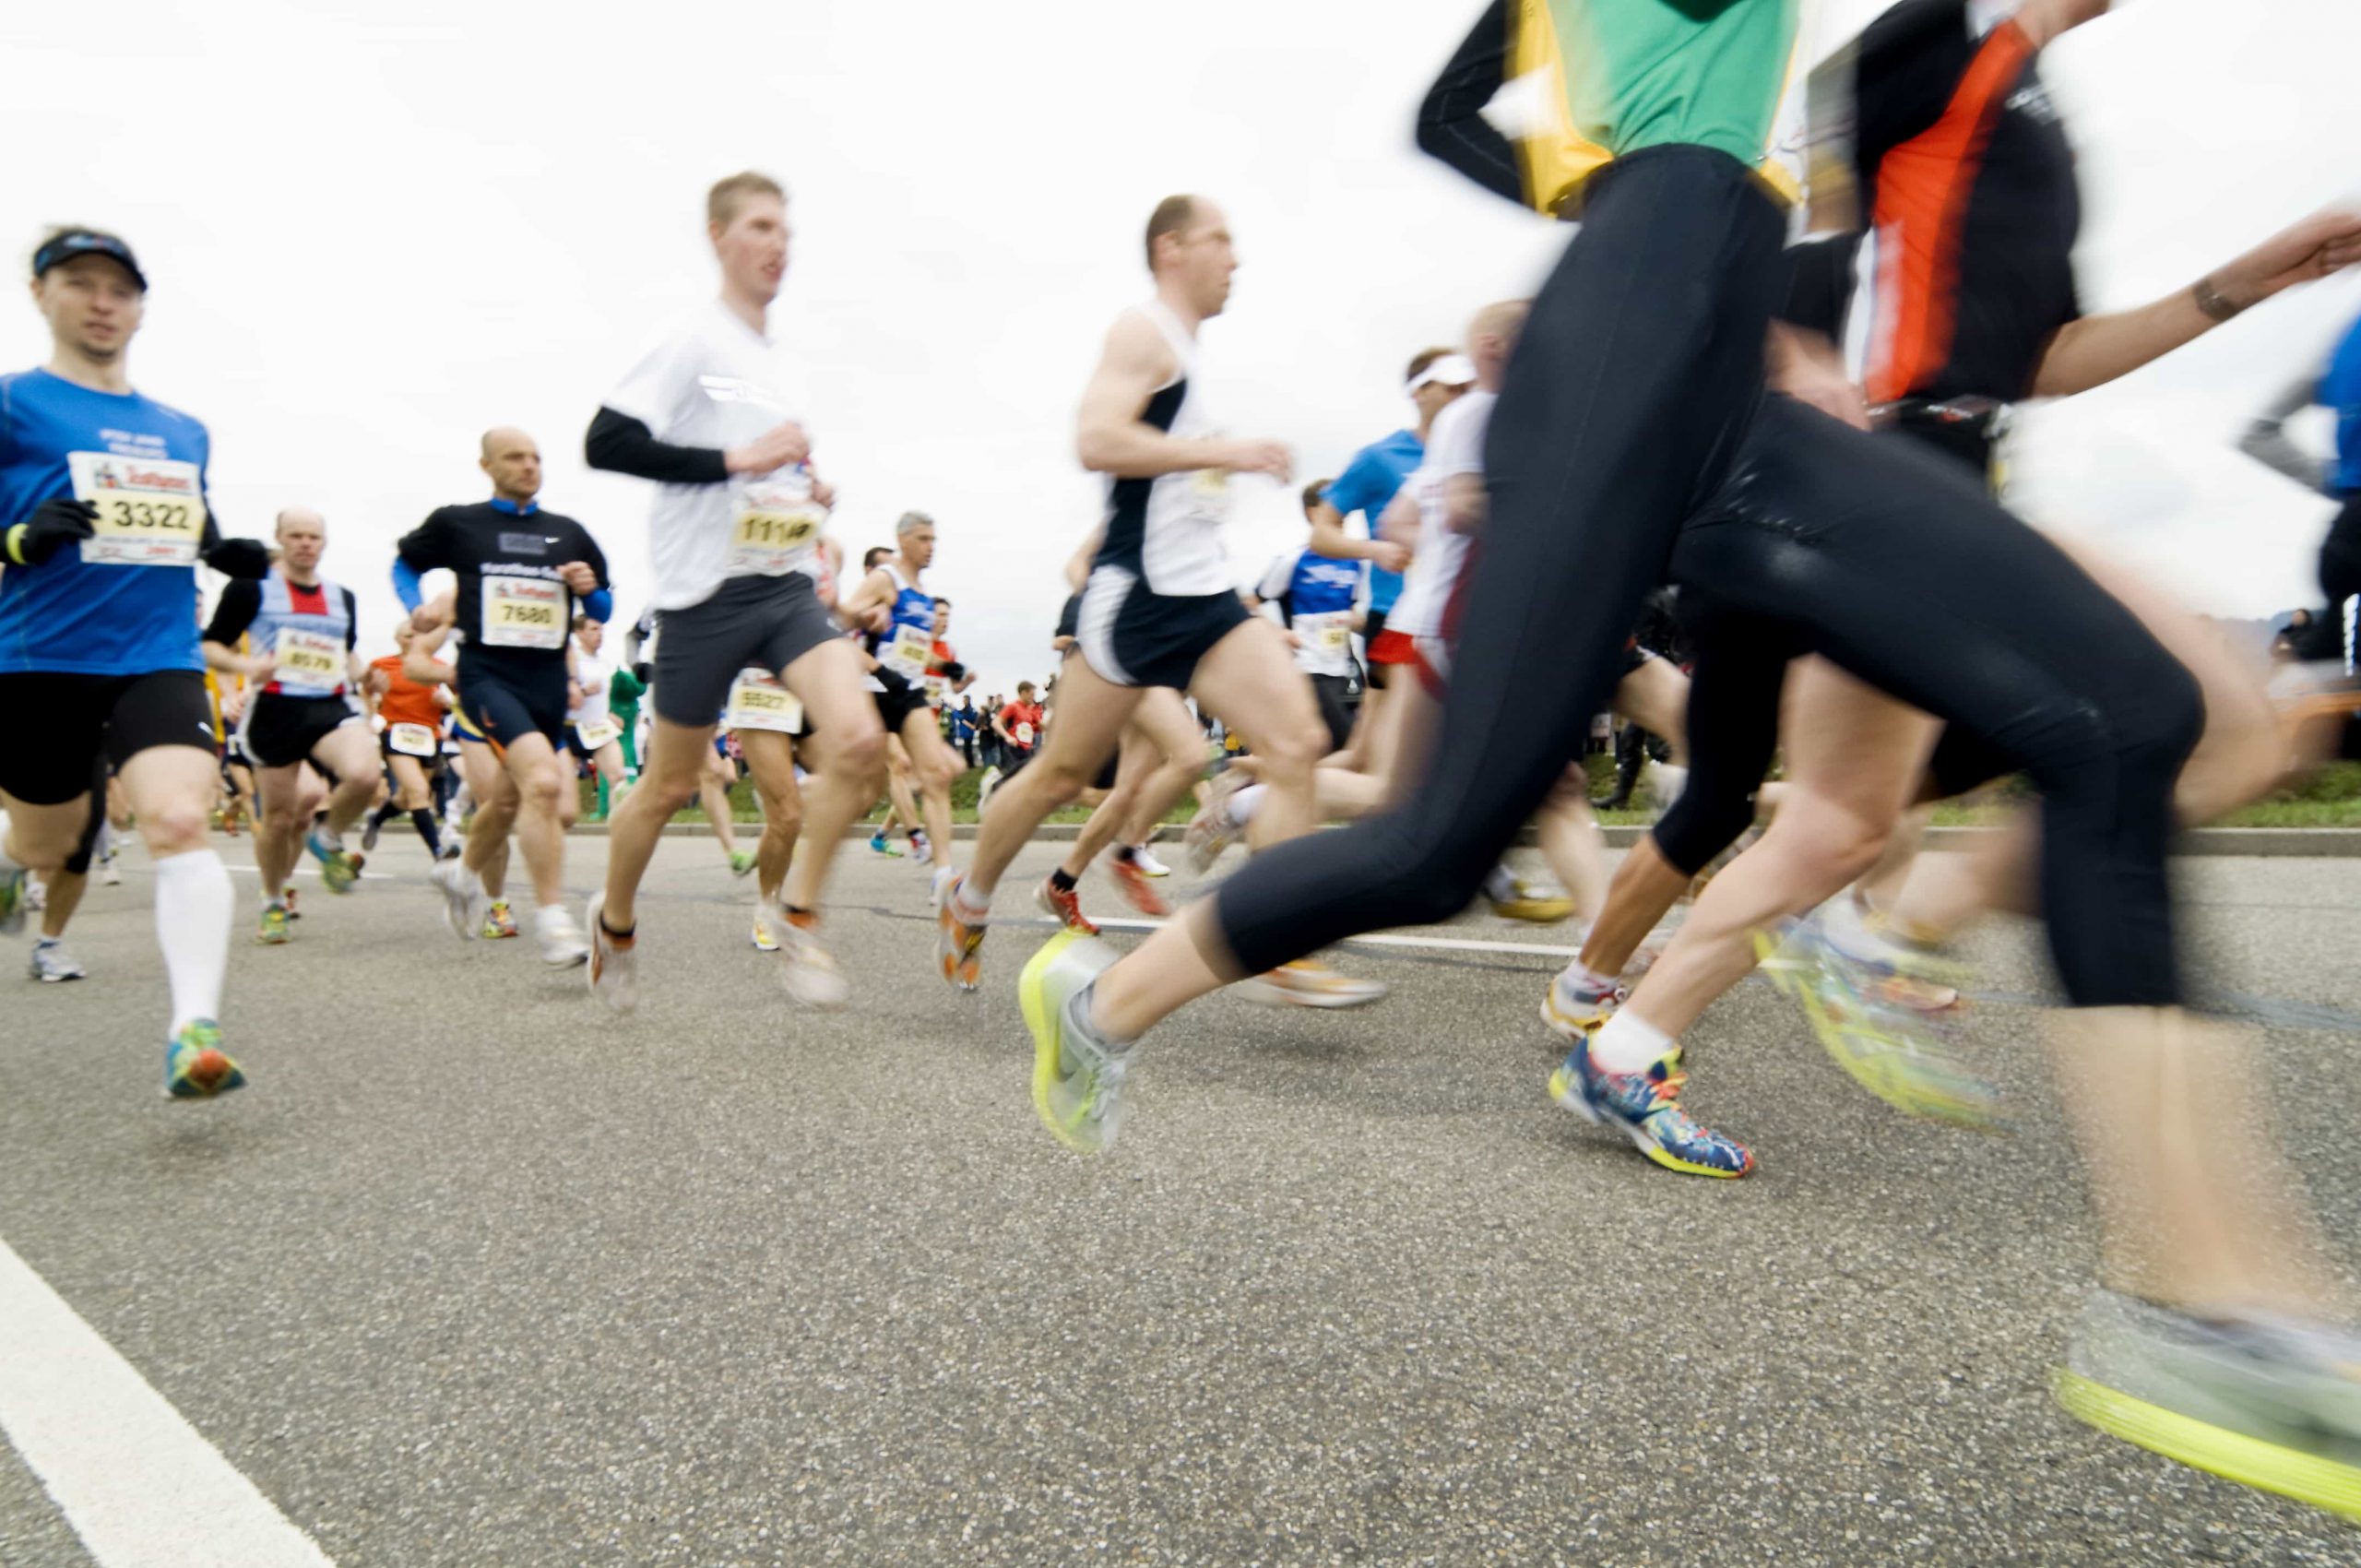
[[2249, 1461]]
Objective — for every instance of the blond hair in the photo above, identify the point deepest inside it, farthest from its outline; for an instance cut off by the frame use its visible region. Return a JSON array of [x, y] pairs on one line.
[[723, 202]]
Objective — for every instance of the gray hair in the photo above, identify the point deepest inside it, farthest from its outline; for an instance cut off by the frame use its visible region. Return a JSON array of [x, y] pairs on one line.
[[911, 522]]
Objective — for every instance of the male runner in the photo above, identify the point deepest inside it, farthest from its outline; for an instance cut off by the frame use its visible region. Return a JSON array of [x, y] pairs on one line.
[[714, 416], [104, 518], [905, 652], [1160, 608], [521, 572], [303, 672], [592, 732], [478, 770], [1313, 594]]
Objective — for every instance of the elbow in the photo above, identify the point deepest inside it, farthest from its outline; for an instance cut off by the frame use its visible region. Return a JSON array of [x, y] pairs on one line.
[[1094, 451]]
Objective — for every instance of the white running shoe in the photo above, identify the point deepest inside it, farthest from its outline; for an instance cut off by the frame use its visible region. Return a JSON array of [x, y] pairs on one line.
[[52, 963], [1148, 865], [563, 943], [615, 966], [1211, 830], [768, 918], [36, 895], [984, 790], [1306, 984], [464, 899], [810, 975], [921, 850], [108, 875]]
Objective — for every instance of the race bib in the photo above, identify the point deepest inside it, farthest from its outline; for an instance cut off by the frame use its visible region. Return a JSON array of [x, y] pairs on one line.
[[524, 613], [595, 733], [413, 739], [309, 658], [152, 510], [1024, 733], [776, 527], [758, 701], [909, 653], [1329, 633], [935, 687]]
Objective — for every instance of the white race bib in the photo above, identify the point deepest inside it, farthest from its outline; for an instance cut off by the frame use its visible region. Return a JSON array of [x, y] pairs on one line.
[[1330, 633], [909, 653], [309, 658], [1024, 732], [758, 701], [776, 527], [413, 739], [524, 613], [152, 510], [595, 733]]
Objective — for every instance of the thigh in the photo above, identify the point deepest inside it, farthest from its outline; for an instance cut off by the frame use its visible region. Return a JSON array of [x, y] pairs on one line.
[[770, 758], [1656, 698], [1853, 747], [677, 754], [1251, 679], [349, 750], [828, 680], [409, 775], [280, 789], [1092, 714], [1163, 717], [160, 779]]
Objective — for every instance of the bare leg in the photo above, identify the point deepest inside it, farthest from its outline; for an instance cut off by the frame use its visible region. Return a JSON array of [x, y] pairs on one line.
[[933, 767], [278, 833], [63, 891], [712, 794], [533, 766], [1571, 842], [770, 762], [1656, 698], [670, 777], [1092, 714], [828, 681], [350, 753], [1139, 757]]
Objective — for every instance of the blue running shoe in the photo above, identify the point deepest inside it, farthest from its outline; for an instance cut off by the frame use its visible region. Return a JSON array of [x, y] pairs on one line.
[[195, 1067], [1646, 1107], [877, 842], [338, 869]]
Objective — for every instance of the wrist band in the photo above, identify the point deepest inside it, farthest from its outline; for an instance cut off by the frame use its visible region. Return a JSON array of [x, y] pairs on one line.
[[15, 543], [2210, 300]]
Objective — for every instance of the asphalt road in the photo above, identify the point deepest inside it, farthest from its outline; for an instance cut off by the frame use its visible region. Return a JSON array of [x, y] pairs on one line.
[[477, 1273]]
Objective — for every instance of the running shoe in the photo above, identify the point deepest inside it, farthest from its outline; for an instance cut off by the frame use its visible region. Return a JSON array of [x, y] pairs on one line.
[[1148, 865], [110, 876], [286, 898], [921, 847], [1066, 905], [1913, 976], [1306, 984], [337, 871], [1646, 1107], [271, 931], [1078, 1078], [880, 844], [1889, 1051], [768, 918], [959, 940], [614, 961], [1211, 831], [984, 790], [1136, 890], [195, 1067], [740, 861], [563, 943], [1517, 899], [810, 975], [499, 921], [2268, 1403], [13, 900], [52, 963], [463, 897], [1573, 1006], [36, 895], [369, 834]]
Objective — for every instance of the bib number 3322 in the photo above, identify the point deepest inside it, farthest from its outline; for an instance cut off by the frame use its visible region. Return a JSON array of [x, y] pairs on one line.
[[152, 510], [524, 613]]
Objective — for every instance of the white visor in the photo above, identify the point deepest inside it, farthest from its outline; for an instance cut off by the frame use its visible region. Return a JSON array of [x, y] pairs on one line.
[[1451, 369]]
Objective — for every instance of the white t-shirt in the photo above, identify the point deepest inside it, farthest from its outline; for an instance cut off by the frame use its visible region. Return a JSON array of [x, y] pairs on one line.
[[594, 677], [715, 382], [1454, 445]]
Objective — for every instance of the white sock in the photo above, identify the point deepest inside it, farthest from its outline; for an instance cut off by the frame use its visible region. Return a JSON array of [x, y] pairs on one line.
[[196, 903], [1629, 1044], [1578, 973], [1245, 803]]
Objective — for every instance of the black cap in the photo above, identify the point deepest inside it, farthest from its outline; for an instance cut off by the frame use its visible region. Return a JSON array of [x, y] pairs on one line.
[[86, 242]]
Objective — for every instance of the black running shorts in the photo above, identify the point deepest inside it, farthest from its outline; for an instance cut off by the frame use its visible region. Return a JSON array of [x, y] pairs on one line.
[[280, 731], [66, 722]]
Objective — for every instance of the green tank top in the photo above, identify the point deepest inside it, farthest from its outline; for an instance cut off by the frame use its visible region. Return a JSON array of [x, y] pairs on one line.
[[1633, 74]]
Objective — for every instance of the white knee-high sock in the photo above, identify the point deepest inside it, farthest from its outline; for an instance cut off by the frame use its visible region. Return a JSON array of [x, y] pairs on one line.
[[194, 910]]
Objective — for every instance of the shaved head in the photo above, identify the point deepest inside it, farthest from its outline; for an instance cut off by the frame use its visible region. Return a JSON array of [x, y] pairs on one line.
[[1502, 320], [505, 437], [301, 518], [513, 460]]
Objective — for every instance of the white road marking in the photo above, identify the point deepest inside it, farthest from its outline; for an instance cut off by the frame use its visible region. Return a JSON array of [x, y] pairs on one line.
[[137, 1482], [1389, 939]]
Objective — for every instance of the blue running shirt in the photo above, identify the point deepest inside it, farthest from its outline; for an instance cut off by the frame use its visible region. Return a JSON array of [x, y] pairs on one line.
[[1366, 486]]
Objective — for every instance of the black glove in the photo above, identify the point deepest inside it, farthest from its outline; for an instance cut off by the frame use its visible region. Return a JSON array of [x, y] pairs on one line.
[[55, 523], [247, 559], [954, 670]]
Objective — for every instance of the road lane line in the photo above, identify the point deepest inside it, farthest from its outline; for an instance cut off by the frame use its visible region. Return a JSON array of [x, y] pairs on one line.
[[136, 1481]]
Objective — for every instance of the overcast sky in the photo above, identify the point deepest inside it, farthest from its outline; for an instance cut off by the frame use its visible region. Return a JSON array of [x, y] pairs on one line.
[[373, 232]]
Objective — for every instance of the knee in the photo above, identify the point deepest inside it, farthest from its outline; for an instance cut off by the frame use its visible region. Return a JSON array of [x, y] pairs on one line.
[[1834, 845], [1700, 824], [864, 756], [542, 786], [175, 828], [1292, 751]]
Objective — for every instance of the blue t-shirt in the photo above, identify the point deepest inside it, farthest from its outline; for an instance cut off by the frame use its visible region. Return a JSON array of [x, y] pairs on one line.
[[2340, 390], [124, 603], [1366, 486]]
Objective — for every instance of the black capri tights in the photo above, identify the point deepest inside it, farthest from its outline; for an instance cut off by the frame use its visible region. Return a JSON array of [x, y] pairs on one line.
[[1894, 565]]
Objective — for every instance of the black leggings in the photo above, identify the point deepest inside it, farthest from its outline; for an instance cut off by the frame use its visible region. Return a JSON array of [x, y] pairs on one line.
[[1637, 373], [1897, 566]]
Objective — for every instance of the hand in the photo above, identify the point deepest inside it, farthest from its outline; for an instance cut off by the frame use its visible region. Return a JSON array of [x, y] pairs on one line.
[[245, 559], [1389, 556], [824, 492], [878, 618], [2327, 242], [433, 615], [55, 524], [1805, 366], [1270, 457], [233, 706], [782, 446], [262, 668], [578, 577]]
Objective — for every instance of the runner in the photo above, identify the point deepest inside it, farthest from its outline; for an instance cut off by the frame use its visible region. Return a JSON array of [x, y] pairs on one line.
[[60, 895], [713, 415], [905, 653], [721, 776], [478, 769], [521, 572], [1160, 608], [1313, 594], [304, 672], [104, 518], [592, 732], [411, 742]]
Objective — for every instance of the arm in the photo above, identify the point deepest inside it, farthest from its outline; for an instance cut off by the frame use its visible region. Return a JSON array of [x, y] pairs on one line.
[[1111, 438], [2266, 439], [2097, 349], [1078, 564], [233, 613], [1452, 126], [873, 592], [1399, 523], [620, 443]]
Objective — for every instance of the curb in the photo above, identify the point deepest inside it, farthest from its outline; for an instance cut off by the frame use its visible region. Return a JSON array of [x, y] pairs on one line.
[[2268, 843]]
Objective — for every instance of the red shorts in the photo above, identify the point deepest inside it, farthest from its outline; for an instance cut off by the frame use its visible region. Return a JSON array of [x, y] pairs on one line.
[[1393, 647]]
